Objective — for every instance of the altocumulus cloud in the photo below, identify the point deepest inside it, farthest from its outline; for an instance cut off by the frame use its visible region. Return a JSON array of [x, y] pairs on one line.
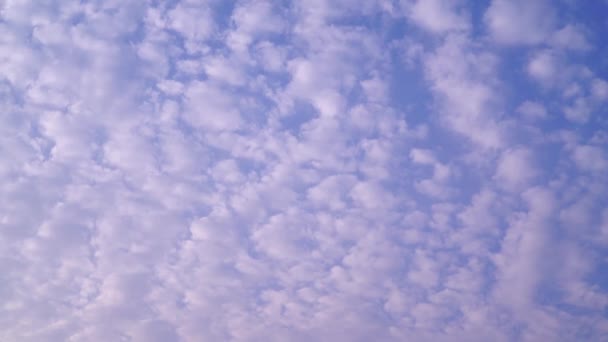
[[323, 170]]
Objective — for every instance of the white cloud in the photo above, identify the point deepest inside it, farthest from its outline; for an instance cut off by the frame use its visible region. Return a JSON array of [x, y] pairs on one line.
[[435, 185], [464, 79], [481, 216], [599, 89], [590, 158], [603, 233], [262, 171], [545, 67], [332, 192], [570, 37], [438, 16], [254, 20], [524, 252], [520, 21], [579, 111], [372, 196], [209, 107], [195, 23], [516, 169], [422, 156], [532, 110], [224, 70], [171, 87]]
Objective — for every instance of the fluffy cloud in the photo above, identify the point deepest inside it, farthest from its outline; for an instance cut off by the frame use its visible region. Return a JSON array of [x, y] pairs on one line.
[[516, 169], [292, 171], [438, 16], [532, 110], [520, 21], [545, 67]]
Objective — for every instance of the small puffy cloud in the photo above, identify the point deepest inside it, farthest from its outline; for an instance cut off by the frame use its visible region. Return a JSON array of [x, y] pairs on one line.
[[438, 16], [332, 192], [224, 70], [579, 111], [520, 21], [209, 107], [532, 110], [545, 67], [422, 156], [570, 37], [195, 23], [599, 90], [254, 20], [171, 87], [523, 250], [516, 169], [590, 158], [372, 196], [465, 83], [435, 185], [227, 171]]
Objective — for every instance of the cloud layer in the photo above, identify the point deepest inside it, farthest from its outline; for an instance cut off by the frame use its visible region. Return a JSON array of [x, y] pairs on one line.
[[351, 170]]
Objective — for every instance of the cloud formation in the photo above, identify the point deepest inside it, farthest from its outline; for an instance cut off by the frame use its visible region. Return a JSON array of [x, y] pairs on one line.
[[202, 170]]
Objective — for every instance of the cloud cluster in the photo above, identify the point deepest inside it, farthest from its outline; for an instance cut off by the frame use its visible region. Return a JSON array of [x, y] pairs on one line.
[[257, 170]]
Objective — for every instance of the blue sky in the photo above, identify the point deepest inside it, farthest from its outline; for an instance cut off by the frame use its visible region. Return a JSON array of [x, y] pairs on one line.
[[346, 170]]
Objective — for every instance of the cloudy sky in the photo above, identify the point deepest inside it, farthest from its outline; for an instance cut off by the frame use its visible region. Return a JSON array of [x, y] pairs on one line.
[[318, 170]]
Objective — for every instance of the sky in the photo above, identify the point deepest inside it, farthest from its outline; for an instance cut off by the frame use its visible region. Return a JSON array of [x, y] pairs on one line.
[[290, 171]]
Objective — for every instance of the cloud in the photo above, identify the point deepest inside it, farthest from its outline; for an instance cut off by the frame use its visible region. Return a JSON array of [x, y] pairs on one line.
[[523, 251], [544, 66], [342, 170], [590, 158], [521, 22], [532, 110], [438, 16], [193, 22], [465, 82], [436, 185], [516, 169], [209, 107], [600, 89], [570, 37]]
